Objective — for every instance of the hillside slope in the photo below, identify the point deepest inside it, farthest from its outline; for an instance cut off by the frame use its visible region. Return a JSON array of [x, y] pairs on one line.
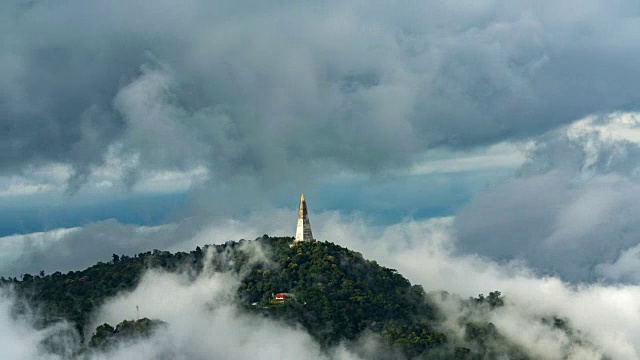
[[332, 292]]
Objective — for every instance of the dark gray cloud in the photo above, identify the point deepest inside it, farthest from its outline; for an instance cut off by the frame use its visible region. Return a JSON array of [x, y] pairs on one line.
[[256, 90], [572, 210]]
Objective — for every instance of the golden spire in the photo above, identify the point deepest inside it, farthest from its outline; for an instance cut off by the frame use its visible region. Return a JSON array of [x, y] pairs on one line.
[[302, 197]]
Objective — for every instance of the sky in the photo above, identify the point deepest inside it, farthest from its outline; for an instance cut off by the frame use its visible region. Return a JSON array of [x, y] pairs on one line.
[[132, 126]]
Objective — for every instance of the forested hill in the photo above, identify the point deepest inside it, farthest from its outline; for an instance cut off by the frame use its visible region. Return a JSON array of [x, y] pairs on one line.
[[332, 292]]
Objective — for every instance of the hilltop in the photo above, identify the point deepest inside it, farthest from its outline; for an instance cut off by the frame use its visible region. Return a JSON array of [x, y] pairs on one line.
[[334, 293]]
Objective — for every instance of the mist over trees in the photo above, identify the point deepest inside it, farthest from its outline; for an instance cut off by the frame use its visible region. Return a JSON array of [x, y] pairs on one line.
[[333, 293]]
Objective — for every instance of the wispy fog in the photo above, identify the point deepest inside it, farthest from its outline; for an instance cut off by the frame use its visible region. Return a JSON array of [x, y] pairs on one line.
[[203, 321]]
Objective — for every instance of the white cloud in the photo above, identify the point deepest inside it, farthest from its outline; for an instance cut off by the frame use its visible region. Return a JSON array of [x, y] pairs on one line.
[[625, 268], [424, 251], [202, 323], [35, 180], [23, 188], [14, 248], [20, 340], [171, 181], [113, 177], [571, 209], [502, 155], [607, 316], [612, 127], [75, 248]]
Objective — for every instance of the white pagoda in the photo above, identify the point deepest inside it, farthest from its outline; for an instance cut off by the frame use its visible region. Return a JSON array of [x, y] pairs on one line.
[[303, 231]]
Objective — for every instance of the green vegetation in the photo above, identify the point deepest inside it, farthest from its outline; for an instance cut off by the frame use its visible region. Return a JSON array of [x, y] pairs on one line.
[[337, 296], [106, 336], [74, 295]]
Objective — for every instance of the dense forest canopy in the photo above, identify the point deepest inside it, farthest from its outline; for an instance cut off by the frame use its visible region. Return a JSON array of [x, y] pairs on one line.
[[332, 292]]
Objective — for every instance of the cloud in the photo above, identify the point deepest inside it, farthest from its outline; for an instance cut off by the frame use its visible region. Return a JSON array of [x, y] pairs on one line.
[[22, 340], [28, 340], [498, 156], [572, 208], [244, 89], [202, 323], [605, 316], [76, 248], [566, 218], [425, 252]]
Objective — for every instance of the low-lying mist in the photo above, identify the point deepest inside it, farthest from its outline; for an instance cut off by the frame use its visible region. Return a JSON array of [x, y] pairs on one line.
[[203, 321]]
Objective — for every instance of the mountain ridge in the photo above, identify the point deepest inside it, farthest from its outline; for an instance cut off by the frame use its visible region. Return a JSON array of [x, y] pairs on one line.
[[337, 296]]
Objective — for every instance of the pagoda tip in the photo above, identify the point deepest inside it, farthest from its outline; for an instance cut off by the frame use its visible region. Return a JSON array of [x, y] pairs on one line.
[[302, 197]]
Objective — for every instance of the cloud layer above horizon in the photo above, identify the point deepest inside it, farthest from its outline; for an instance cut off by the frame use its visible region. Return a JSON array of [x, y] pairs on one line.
[[256, 90]]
